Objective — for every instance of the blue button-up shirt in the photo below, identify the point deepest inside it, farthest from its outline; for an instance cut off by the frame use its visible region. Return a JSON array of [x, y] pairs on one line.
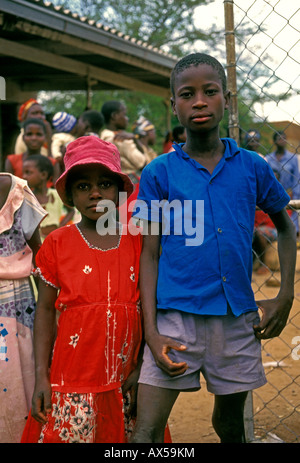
[[206, 258]]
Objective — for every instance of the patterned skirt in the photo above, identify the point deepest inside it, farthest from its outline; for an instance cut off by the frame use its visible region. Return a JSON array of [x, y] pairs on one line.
[[17, 310], [84, 418]]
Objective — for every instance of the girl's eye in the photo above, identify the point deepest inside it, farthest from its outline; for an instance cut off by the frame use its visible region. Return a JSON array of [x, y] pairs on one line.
[[106, 184], [83, 186]]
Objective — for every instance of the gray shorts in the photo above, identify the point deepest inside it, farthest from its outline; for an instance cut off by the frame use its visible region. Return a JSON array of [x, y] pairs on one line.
[[223, 348]]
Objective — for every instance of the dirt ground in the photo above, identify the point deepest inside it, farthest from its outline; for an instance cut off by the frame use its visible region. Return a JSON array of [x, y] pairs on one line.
[[276, 406]]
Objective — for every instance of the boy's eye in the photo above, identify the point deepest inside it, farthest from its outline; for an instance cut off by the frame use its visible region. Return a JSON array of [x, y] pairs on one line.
[[211, 91], [185, 94]]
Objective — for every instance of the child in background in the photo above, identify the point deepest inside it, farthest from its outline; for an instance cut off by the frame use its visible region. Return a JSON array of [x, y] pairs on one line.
[[129, 146], [31, 109], [199, 310], [67, 129], [93, 122], [37, 170], [92, 280], [20, 216], [34, 136]]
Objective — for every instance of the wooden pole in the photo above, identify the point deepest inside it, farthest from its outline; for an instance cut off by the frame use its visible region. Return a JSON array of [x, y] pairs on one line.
[[234, 131]]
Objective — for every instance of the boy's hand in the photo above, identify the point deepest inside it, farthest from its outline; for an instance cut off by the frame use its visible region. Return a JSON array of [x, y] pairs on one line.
[[275, 313], [41, 402], [160, 347]]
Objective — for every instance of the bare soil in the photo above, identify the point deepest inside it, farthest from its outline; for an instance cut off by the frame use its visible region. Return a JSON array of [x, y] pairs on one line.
[[276, 406]]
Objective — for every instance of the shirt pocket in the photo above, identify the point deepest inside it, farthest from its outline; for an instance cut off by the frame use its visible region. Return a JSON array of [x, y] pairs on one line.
[[246, 205]]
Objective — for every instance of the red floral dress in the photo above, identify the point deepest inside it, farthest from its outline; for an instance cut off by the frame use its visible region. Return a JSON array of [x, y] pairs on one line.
[[98, 339]]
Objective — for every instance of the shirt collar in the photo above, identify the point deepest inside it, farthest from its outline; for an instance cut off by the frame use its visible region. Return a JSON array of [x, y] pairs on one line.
[[231, 148]]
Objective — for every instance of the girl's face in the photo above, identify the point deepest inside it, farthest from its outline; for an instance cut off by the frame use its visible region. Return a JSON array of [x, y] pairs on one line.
[[91, 184], [199, 100], [34, 137]]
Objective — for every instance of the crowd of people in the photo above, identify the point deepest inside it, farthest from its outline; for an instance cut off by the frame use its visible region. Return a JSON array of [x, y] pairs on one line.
[[85, 316]]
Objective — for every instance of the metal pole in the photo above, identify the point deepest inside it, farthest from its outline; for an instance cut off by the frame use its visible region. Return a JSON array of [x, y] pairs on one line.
[[231, 70]]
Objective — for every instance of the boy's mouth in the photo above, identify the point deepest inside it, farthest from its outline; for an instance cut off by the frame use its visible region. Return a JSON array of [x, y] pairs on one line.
[[201, 117]]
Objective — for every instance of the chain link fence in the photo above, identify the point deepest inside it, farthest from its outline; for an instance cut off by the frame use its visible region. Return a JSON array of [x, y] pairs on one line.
[[263, 64]]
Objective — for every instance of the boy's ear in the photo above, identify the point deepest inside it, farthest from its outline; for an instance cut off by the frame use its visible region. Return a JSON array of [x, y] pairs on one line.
[[173, 105], [227, 96]]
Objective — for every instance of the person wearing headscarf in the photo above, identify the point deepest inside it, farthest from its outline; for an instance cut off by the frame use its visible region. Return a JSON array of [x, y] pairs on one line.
[[28, 110]]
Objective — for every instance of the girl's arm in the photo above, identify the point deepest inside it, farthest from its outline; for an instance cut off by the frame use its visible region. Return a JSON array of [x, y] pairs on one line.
[[275, 311], [44, 335]]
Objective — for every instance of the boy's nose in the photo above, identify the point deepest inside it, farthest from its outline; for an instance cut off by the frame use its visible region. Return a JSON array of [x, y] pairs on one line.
[[199, 100]]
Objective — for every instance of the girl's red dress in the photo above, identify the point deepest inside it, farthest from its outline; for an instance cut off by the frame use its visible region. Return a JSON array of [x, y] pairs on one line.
[[98, 339]]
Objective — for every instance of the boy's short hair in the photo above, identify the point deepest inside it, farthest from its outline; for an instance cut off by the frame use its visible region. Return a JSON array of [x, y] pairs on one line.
[[94, 118], [278, 134], [35, 121], [109, 108], [42, 163], [195, 59]]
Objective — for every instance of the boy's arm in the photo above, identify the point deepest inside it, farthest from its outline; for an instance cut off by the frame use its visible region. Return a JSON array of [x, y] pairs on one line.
[[275, 311], [158, 344]]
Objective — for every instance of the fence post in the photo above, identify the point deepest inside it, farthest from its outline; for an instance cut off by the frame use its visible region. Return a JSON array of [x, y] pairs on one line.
[[234, 133]]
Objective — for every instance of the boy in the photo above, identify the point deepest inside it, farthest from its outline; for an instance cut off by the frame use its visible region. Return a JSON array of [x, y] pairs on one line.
[[129, 146], [286, 164], [199, 309], [93, 122]]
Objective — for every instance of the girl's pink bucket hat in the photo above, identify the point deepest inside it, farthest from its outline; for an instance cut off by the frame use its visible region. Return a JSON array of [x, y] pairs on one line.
[[91, 150]]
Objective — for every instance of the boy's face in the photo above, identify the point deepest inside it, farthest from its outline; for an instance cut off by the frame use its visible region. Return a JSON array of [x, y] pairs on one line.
[[32, 174], [34, 137], [281, 140], [82, 127], [199, 101], [120, 118]]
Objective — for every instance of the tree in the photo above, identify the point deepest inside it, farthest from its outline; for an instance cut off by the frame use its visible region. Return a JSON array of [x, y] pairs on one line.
[[166, 24]]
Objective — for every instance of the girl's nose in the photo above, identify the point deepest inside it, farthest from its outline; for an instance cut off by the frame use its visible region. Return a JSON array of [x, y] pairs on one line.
[[96, 192]]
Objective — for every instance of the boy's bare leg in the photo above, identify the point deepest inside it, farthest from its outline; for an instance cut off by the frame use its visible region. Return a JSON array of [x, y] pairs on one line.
[[228, 417], [154, 407]]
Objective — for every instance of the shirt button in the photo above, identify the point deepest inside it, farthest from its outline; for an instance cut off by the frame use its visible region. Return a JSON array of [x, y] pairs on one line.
[[224, 278], [220, 230]]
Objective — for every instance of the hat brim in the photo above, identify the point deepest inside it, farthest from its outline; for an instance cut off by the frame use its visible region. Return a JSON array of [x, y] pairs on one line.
[[62, 180]]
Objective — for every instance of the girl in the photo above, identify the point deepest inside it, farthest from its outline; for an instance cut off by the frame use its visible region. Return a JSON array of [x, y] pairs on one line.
[[20, 216], [91, 280], [34, 135]]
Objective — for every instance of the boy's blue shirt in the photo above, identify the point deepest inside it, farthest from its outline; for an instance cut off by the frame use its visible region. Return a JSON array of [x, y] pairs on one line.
[[203, 278]]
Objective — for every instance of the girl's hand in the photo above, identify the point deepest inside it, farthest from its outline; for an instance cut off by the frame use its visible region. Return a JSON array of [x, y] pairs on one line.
[[130, 388], [41, 401], [160, 347]]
